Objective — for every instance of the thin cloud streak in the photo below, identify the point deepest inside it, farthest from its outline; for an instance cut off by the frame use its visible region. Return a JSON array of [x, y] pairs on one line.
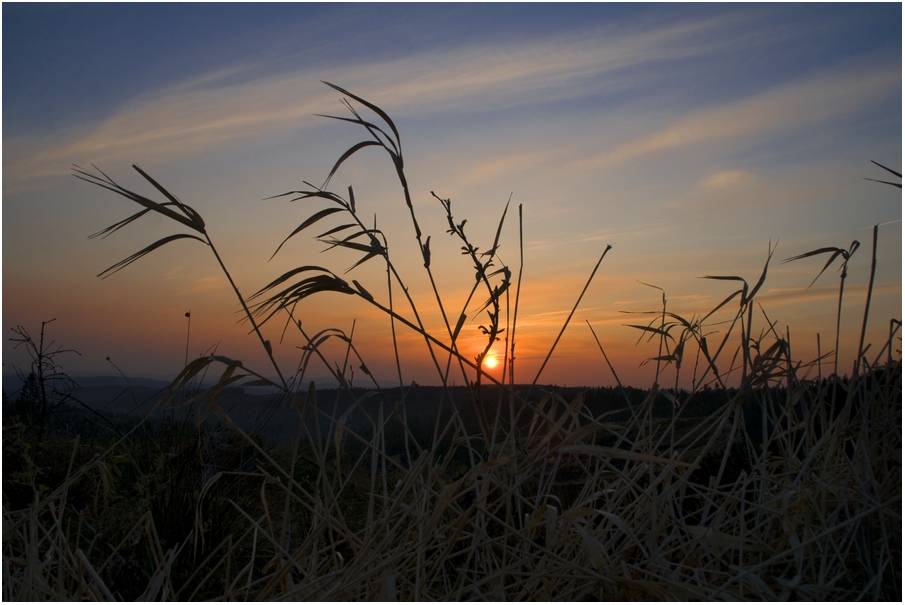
[[854, 294], [197, 116], [779, 111]]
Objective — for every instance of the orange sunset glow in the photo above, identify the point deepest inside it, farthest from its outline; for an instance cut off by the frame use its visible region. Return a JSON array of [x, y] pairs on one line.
[[685, 141]]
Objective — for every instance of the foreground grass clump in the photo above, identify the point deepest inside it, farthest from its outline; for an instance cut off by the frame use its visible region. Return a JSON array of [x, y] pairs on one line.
[[781, 487]]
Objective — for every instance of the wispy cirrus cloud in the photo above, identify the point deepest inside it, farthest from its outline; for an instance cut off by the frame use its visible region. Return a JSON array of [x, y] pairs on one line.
[[233, 105], [855, 294], [208, 284], [787, 108]]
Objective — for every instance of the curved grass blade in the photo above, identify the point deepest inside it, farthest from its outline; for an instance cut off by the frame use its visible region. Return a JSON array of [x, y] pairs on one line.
[[744, 289], [688, 324], [211, 393], [336, 230], [898, 174], [128, 261], [374, 130], [291, 295], [760, 281], [299, 291], [722, 304], [365, 123], [107, 183], [364, 259], [327, 195], [361, 290], [836, 252], [286, 276], [351, 150], [187, 210], [833, 249], [383, 115], [668, 358], [727, 278], [307, 223], [899, 185], [496, 240], [654, 330], [395, 152], [179, 383], [373, 246], [103, 233]]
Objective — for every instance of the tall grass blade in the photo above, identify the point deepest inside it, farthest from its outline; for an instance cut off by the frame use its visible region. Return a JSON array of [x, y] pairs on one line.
[[308, 222], [368, 125], [383, 115], [870, 289], [131, 259], [108, 183], [890, 170], [187, 210], [345, 156], [569, 318], [836, 252], [760, 281], [103, 233]]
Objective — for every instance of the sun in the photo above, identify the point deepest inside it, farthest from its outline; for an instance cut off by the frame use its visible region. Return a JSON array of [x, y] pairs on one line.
[[490, 362]]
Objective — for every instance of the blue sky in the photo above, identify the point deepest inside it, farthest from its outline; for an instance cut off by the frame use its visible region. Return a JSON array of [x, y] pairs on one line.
[[687, 136], [139, 48]]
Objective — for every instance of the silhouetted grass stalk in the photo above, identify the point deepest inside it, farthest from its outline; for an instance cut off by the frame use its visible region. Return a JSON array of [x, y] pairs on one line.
[[870, 289]]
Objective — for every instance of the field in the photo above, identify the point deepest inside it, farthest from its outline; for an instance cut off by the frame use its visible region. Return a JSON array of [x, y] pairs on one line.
[[755, 484]]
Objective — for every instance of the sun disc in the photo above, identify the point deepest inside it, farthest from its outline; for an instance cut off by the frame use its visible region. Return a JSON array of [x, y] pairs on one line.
[[491, 362]]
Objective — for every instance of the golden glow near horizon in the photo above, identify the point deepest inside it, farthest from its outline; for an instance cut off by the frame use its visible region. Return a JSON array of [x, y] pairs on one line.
[[682, 135]]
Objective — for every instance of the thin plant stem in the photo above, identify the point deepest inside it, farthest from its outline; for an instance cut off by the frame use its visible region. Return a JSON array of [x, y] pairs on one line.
[[264, 343], [518, 290], [870, 289], [188, 331], [568, 319]]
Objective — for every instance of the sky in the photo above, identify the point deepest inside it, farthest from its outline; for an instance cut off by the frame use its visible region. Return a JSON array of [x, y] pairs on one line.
[[693, 139]]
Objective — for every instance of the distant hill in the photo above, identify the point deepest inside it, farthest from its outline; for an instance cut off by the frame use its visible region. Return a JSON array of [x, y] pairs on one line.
[[264, 409], [12, 382]]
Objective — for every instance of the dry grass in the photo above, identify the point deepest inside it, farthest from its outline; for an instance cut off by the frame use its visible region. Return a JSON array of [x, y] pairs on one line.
[[790, 490]]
